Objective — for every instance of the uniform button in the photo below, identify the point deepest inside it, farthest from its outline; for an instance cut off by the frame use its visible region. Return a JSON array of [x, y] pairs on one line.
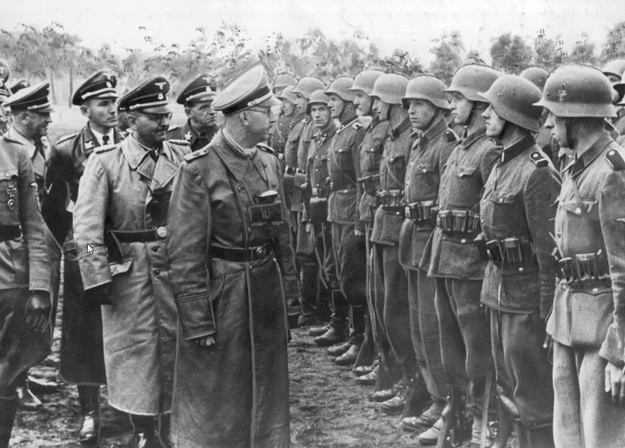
[[501, 200], [463, 241], [578, 211], [7, 175], [484, 201], [520, 269], [156, 272], [595, 289], [155, 249]]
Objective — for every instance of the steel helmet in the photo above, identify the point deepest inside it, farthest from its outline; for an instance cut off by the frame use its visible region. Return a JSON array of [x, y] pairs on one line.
[[282, 80], [538, 76], [471, 79], [578, 91], [365, 80], [513, 98], [390, 88], [340, 87], [307, 85], [620, 89], [429, 88], [317, 97], [287, 95], [615, 67]]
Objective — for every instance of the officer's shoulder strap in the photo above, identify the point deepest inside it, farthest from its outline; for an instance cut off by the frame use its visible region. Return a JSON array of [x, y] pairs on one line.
[[106, 148], [64, 138], [173, 128], [178, 141], [12, 140], [450, 136], [539, 159], [266, 148], [615, 159], [196, 154]]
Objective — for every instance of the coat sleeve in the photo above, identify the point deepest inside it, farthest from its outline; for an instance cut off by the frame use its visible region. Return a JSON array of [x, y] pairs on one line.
[[33, 227], [90, 214], [188, 237], [612, 218], [540, 193]]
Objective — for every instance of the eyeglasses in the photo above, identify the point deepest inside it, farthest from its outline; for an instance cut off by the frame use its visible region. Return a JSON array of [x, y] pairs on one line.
[[157, 118], [266, 110]]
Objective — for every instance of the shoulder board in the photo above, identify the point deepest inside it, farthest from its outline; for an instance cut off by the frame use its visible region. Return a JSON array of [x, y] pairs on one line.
[[266, 148], [106, 148], [357, 126], [177, 141], [539, 159], [173, 128], [10, 139], [450, 136], [66, 137], [308, 119], [196, 154], [615, 159]]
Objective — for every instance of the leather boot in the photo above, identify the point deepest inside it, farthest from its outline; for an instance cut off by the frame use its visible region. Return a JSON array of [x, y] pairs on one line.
[[318, 331], [338, 350], [355, 341], [28, 400], [144, 436], [8, 408], [537, 437], [164, 431], [89, 398], [338, 322], [334, 335]]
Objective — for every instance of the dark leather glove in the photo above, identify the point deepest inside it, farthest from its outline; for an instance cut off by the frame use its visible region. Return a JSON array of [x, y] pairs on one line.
[[38, 310], [100, 295]]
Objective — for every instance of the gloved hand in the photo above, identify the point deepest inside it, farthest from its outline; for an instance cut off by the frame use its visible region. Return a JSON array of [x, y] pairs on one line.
[[100, 295], [38, 310]]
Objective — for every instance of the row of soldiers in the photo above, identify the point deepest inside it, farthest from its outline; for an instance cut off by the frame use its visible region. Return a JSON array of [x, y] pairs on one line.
[[462, 236]]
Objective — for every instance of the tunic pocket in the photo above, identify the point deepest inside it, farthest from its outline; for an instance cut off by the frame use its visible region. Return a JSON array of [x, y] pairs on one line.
[[465, 170]]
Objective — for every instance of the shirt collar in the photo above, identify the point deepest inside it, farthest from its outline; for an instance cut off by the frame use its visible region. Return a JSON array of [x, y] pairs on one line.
[[588, 155], [98, 136], [516, 148], [472, 138]]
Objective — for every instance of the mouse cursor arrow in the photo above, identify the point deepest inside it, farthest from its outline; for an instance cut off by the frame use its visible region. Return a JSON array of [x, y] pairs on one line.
[[89, 250]]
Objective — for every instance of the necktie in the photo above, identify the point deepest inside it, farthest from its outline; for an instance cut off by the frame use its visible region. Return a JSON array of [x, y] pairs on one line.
[[105, 139]]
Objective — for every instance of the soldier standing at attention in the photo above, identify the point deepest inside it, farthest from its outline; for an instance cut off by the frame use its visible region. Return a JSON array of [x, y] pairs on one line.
[[200, 126], [24, 277], [82, 357], [120, 225], [453, 257], [518, 207], [281, 128], [348, 247], [427, 105], [226, 253], [587, 322]]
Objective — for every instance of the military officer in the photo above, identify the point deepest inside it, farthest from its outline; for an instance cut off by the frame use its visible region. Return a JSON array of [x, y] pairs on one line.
[[200, 127], [370, 156], [586, 322], [517, 223], [82, 357], [391, 286], [427, 105], [314, 236], [120, 225], [453, 258], [225, 264], [30, 116], [25, 280], [281, 81], [348, 246], [281, 128]]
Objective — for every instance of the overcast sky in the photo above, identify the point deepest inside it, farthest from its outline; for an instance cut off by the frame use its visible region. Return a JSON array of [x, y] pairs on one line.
[[410, 25]]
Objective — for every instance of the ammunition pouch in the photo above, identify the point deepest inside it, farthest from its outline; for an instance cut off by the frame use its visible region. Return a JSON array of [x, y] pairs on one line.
[[422, 213], [261, 215], [294, 179], [392, 201], [584, 270], [318, 207], [370, 184], [509, 251], [458, 221]]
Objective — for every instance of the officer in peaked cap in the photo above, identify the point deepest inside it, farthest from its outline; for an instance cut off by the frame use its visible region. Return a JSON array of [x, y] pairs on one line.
[[229, 246], [19, 85], [200, 126], [82, 358], [120, 220]]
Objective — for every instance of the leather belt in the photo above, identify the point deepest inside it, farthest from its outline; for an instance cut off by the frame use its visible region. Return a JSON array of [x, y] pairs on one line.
[[319, 192], [370, 184], [510, 251], [581, 270], [240, 255], [140, 236], [9, 232]]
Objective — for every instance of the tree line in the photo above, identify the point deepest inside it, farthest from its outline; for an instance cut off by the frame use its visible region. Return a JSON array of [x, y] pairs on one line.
[[54, 54]]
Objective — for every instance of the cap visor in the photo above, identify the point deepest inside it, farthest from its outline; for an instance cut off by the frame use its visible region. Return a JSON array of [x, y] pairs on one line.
[[269, 102], [162, 110]]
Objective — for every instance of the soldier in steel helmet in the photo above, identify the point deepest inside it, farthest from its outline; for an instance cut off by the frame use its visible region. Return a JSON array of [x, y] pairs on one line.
[[587, 320], [397, 357], [348, 244], [120, 224], [225, 254], [370, 155], [282, 81], [314, 238], [452, 257], [427, 104], [282, 128], [517, 215], [82, 357], [197, 99]]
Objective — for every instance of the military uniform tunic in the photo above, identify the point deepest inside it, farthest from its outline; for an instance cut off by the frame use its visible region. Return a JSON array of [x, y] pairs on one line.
[[428, 156], [587, 321], [519, 202], [24, 263], [186, 132], [279, 135], [82, 357], [235, 393], [123, 189]]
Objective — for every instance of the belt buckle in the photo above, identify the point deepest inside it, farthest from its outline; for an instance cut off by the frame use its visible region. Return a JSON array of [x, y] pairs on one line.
[[261, 251], [161, 232]]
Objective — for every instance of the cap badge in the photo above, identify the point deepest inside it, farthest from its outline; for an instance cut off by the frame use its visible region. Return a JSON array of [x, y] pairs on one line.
[[562, 93], [108, 84], [160, 85], [160, 96]]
